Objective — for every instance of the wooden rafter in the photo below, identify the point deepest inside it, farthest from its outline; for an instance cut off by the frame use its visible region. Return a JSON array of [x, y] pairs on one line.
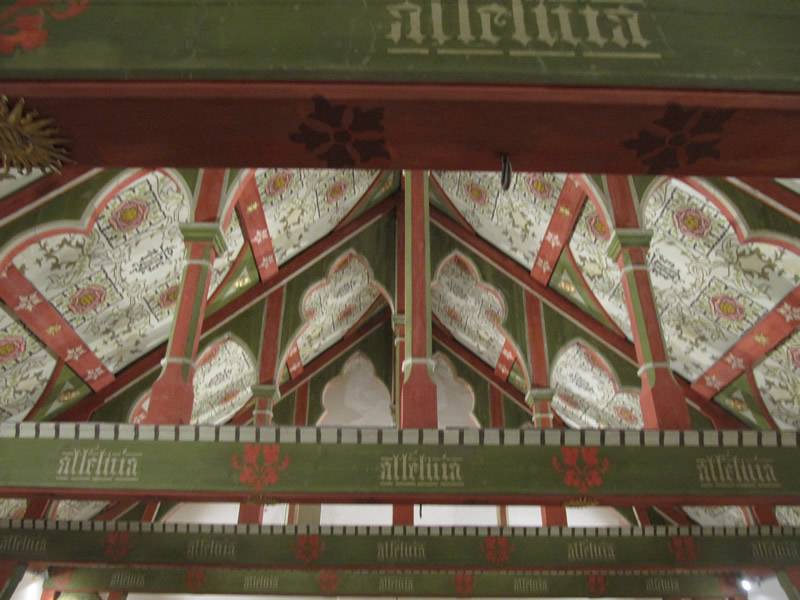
[[586, 322]]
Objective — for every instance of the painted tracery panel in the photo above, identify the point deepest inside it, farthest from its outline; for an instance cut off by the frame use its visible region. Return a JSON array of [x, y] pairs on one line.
[[116, 279], [473, 312], [778, 380], [455, 399], [788, 515], [12, 508], [225, 372], [332, 306], [587, 394], [77, 510], [25, 368], [710, 287], [356, 397], [303, 205], [515, 221]]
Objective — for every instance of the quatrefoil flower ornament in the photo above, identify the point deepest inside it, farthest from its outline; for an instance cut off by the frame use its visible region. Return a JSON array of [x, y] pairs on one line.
[[341, 135]]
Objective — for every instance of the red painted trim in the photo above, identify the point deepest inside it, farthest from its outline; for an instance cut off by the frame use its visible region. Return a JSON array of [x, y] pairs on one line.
[[559, 230], [301, 405], [83, 410], [353, 212], [623, 204], [36, 508], [750, 349], [589, 324], [31, 193], [446, 198], [537, 342], [554, 516], [769, 187], [497, 417], [446, 339], [27, 304], [270, 340], [116, 510], [209, 196], [403, 514], [253, 221], [676, 515], [642, 516], [419, 264], [226, 280], [765, 515], [250, 514]]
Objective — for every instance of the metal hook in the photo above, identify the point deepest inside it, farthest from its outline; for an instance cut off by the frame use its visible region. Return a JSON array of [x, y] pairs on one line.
[[505, 172]]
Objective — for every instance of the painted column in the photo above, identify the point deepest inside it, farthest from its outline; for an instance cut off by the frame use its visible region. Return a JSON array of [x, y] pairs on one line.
[[662, 399], [540, 396], [418, 395], [172, 395]]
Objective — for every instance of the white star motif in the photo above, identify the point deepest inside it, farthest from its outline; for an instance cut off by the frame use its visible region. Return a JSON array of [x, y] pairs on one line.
[[508, 354], [712, 382], [28, 302], [266, 262], [735, 362], [75, 353], [260, 236], [553, 239], [93, 374], [789, 312], [544, 265]]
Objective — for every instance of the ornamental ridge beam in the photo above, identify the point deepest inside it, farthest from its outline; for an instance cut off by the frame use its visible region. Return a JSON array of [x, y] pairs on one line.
[[288, 271], [29, 306], [762, 338], [609, 338]]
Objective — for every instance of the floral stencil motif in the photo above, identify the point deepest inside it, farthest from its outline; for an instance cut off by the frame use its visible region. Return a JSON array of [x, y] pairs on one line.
[[681, 137], [22, 23], [11, 348], [497, 550], [260, 465], [308, 548], [195, 579], [683, 548], [596, 584], [116, 545], [129, 215], [464, 583], [582, 468], [328, 582], [341, 135], [693, 222]]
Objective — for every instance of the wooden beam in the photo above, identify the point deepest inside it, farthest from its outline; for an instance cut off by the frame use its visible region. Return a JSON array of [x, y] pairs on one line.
[[771, 193], [609, 338], [287, 272], [762, 338], [420, 126], [392, 583], [310, 547], [331, 465]]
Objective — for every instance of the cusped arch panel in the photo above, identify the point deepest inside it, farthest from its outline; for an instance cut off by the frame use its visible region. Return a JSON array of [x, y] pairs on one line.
[[474, 312], [515, 221], [25, 369], [718, 516], [588, 394], [455, 398], [303, 205], [356, 397], [331, 307], [778, 381], [226, 370], [115, 276]]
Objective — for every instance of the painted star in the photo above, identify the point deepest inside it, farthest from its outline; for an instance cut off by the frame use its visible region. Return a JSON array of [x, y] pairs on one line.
[[28, 302]]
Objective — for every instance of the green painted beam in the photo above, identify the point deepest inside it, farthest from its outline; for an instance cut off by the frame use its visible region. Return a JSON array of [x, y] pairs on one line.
[[369, 465], [154, 544], [713, 44], [393, 583]]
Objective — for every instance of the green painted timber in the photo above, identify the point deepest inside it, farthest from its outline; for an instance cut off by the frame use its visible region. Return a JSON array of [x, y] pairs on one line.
[[331, 464], [100, 543], [391, 583], [712, 44]]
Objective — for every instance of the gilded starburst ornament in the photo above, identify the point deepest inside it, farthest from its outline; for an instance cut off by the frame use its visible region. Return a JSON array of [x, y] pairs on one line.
[[28, 141]]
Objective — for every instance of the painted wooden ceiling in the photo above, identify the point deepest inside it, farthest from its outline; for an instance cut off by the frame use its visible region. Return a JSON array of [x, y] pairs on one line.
[[106, 254]]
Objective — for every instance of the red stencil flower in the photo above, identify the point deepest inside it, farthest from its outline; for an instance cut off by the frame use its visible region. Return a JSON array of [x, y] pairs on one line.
[[582, 467], [259, 465], [308, 548], [116, 545], [497, 550], [328, 582]]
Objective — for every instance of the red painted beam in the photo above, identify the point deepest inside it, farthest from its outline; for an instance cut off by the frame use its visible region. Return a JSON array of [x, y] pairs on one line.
[[425, 126], [446, 339], [589, 324], [771, 193], [24, 302], [254, 225], [559, 229], [288, 271], [750, 349]]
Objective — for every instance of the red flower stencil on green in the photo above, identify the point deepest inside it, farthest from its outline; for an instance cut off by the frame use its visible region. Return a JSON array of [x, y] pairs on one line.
[[583, 468], [328, 582], [464, 583], [259, 465], [497, 550], [22, 23], [116, 545], [307, 548], [195, 579]]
